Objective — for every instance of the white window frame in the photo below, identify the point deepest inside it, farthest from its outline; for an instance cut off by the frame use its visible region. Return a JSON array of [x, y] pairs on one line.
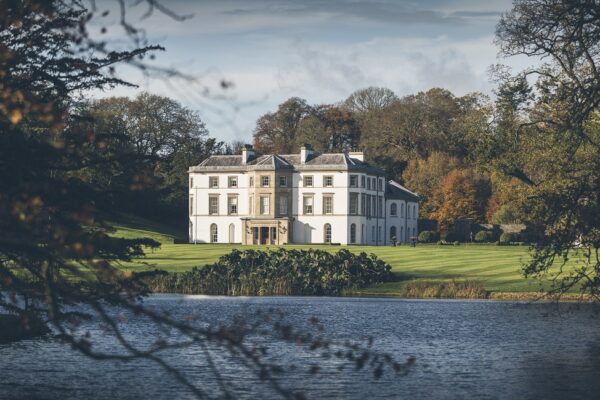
[[265, 181], [214, 235], [283, 205], [211, 198], [308, 207], [230, 204], [283, 179], [265, 206], [306, 179], [327, 233], [328, 208]]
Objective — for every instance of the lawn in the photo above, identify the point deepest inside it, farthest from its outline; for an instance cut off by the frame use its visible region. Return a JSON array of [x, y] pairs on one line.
[[498, 268]]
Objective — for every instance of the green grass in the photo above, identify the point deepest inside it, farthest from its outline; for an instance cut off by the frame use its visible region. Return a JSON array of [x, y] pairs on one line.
[[497, 268]]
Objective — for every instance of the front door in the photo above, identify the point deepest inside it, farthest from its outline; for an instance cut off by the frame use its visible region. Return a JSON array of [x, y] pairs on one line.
[[264, 235]]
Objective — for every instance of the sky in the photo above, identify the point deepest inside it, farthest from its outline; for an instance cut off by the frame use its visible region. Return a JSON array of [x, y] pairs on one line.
[[322, 51]]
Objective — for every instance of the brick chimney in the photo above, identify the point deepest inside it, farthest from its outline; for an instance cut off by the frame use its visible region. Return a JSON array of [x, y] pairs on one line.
[[247, 153], [305, 152]]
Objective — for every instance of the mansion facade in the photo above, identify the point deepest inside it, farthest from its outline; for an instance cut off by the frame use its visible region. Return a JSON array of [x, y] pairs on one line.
[[304, 198]]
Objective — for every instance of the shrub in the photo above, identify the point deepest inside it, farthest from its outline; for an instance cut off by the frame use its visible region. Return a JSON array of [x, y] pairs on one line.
[[449, 237], [508, 238], [278, 272], [456, 243], [447, 290], [484, 237], [428, 237], [505, 215]]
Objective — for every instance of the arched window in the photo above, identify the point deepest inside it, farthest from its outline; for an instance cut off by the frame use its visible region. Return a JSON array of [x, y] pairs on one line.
[[394, 209], [402, 233], [402, 210], [353, 233], [327, 233], [393, 233], [213, 233]]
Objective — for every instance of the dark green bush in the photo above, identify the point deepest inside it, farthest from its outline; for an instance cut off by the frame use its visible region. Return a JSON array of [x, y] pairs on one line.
[[278, 272], [450, 237], [484, 237], [508, 238], [428, 237]]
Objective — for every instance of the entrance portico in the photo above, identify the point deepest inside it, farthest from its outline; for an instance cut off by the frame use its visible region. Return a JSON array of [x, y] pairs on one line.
[[265, 231]]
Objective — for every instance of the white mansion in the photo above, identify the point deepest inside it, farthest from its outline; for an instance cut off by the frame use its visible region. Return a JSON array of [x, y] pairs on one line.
[[297, 198]]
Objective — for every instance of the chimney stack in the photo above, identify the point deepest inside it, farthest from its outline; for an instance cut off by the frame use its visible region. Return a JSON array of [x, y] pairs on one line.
[[305, 152], [357, 155], [247, 153]]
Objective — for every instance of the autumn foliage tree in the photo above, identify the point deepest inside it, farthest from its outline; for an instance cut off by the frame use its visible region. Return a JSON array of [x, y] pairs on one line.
[[463, 196]]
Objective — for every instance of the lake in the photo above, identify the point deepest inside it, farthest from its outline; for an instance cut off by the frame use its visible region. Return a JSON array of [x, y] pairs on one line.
[[463, 349]]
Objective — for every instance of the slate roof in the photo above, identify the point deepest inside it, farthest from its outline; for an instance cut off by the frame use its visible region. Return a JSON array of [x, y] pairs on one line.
[[315, 161], [394, 190]]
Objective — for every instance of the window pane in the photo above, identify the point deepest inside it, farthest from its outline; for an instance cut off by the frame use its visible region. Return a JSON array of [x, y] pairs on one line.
[[283, 181], [327, 233], [264, 205], [353, 203], [283, 205], [308, 205], [327, 205], [213, 205], [232, 205]]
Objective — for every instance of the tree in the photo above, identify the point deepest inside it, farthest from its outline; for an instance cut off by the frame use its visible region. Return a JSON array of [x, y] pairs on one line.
[[425, 177], [464, 196], [553, 145], [370, 99], [329, 129], [58, 261], [276, 132], [418, 125], [152, 140]]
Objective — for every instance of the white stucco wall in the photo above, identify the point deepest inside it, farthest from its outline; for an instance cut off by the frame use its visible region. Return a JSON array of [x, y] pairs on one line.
[[305, 228]]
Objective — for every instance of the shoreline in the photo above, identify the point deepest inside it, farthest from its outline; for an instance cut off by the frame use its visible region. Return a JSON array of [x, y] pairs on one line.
[[492, 296]]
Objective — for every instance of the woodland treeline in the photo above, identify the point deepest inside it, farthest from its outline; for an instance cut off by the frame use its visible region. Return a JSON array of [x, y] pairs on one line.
[[427, 141]]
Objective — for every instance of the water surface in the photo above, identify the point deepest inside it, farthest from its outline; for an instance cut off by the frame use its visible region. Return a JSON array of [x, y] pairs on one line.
[[464, 349]]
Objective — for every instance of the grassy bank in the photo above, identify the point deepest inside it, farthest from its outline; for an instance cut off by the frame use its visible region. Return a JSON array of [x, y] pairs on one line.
[[424, 269]]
